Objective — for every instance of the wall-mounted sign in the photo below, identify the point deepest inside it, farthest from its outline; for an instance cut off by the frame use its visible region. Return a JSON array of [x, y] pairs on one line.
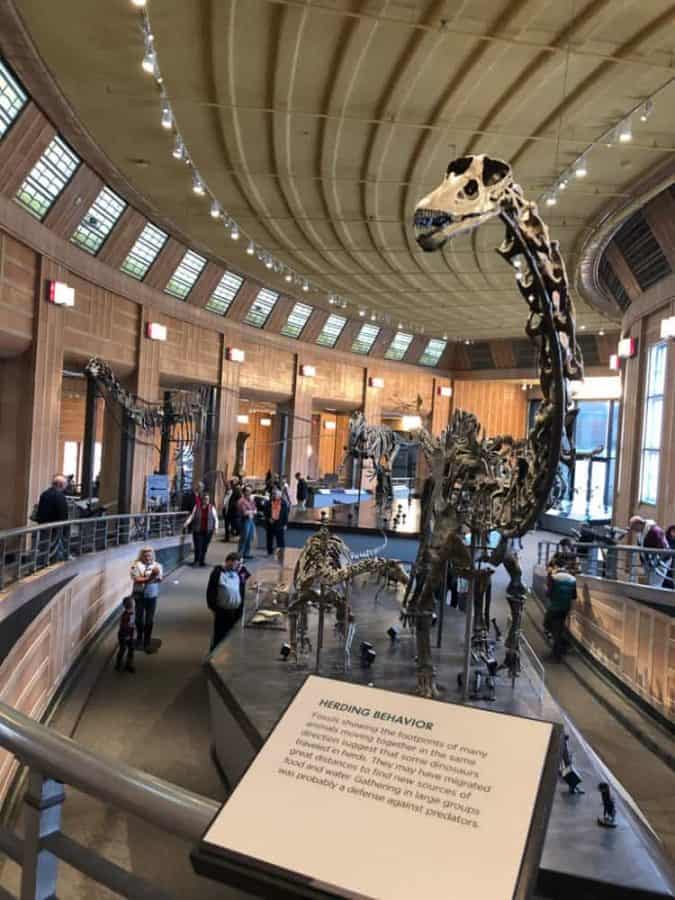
[[376, 382], [308, 371], [60, 293], [242, 419], [627, 348], [235, 355], [265, 423], [329, 425], [433, 783], [411, 422], [668, 327], [155, 331], [444, 390], [614, 362]]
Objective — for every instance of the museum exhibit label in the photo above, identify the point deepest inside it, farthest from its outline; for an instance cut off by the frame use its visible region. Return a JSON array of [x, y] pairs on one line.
[[360, 792]]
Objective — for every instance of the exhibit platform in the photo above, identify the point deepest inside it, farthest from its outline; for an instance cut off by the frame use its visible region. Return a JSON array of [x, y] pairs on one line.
[[402, 518], [250, 685]]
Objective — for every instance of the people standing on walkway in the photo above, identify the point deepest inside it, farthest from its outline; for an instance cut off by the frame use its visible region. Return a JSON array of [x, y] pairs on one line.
[[203, 520], [224, 597], [126, 636], [301, 491], [247, 511], [192, 497], [233, 528], [53, 507], [146, 574], [276, 511]]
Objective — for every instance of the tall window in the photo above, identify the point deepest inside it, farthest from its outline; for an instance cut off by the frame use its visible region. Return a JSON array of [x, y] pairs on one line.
[[331, 330], [48, 177], [225, 292], [399, 345], [261, 308], [99, 221], [183, 279], [432, 352], [145, 251], [652, 423], [12, 99], [297, 320], [364, 340]]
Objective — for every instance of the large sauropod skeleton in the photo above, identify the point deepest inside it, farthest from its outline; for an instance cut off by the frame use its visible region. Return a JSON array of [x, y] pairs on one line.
[[323, 574], [477, 487]]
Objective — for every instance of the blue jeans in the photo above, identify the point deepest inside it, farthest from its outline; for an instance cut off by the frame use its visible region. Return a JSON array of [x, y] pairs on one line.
[[246, 537], [145, 618]]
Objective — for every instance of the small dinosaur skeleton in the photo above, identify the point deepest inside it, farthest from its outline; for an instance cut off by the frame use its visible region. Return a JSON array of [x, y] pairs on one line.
[[378, 443], [323, 575], [475, 485]]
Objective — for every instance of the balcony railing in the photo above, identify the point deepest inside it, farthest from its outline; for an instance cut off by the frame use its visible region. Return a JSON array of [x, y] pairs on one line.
[[620, 562], [55, 761], [24, 551]]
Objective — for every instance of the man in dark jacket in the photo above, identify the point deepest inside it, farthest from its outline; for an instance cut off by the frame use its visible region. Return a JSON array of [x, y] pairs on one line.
[[53, 507], [276, 518], [301, 491]]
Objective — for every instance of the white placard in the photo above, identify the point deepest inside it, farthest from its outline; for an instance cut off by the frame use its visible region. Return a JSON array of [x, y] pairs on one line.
[[384, 795]]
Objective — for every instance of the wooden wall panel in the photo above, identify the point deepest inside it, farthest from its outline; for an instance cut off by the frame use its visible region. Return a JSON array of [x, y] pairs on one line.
[[21, 148], [145, 383], [267, 369], [18, 283], [327, 442], [165, 265], [501, 406], [15, 426], [228, 407], [101, 324], [260, 447], [189, 353], [339, 382], [405, 386], [300, 425], [205, 285], [73, 202], [123, 237]]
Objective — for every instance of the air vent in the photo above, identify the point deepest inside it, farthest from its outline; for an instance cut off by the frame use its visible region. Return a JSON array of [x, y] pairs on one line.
[[524, 354], [612, 285], [480, 356], [642, 251], [589, 349]]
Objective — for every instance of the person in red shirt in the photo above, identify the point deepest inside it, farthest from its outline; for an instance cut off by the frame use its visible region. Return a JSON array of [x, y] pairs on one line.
[[204, 521], [276, 518]]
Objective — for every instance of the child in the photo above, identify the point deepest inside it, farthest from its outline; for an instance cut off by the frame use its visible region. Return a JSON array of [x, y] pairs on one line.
[[126, 636]]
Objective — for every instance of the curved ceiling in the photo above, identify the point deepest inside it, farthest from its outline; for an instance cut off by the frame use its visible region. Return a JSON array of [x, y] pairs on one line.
[[318, 125]]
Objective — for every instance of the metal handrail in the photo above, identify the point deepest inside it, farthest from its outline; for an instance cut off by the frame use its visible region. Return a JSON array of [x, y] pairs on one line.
[[26, 550], [55, 760], [616, 562]]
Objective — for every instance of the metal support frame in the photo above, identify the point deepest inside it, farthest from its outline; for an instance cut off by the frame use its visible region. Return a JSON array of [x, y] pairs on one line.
[[127, 444], [89, 441]]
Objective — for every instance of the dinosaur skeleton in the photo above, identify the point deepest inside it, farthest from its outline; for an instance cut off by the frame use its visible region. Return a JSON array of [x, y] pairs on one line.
[[182, 413], [378, 443], [323, 574], [475, 485]]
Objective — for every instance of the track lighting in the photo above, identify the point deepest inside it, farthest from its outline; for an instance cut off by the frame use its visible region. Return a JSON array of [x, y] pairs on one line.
[[167, 118], [197, 185], [625, 131], [373, 317], [234, 232], [562, 184], [139, 4], [149, 60], [647, 110], [251, 248], [551, 200], [581, 167], [178, 151], [362, 312], [288, 277], [269, 262], [215, 210]]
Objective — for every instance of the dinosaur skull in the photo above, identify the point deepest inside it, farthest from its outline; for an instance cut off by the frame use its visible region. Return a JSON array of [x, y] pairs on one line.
[[470, 194]]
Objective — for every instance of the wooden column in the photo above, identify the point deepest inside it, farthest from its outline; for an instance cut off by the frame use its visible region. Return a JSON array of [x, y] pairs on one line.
[[145, 384], [300, 424], [627, 475], [15, 427], [440, 407], [228, 408]]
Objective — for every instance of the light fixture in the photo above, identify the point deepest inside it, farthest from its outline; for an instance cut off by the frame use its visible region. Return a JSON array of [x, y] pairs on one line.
[[149, 60], [627, 348], [234, 354], [167, 117], [625, 131], [445, 337], [288, 277], [197, 185], [215, 210], [269, 262], [444, 390], [523, 387], [601, 332], [305, 285], [581, 167], [647, 109], [668, 327], [329, 425], [60, 294], [411, 422], [551, 200], [155, 331], [234, 232], [467, 341], [265, 423], [562, 184], [251, 248], [582, 328], [308, 371], [331, 300], [375, 382], [178, 151], [373, 317], [614, 363], [138, 3], [242, 419], [362, 312]]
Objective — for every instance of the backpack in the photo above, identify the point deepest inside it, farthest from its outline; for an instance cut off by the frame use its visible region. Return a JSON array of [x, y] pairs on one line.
[[212, 587], [229, 593]]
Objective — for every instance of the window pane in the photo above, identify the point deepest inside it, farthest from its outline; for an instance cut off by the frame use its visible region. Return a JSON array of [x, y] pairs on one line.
[[12, 99], [261, 308], [657, 369], [225, 292], [331, 330], [183, 279], [48, 177], [652, 423], [99, 221], [365, 339], [399, 346], [649, 477], [144, 252], [591, 425], [297, 320], [433, 352]]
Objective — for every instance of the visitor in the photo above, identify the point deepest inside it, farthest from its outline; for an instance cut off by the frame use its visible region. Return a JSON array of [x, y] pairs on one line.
[[192, 497], [53, 507], [649, 535], [203, 521], [301, 491], [233, 519], [224, 510], [247, 510], [565, 557], [126, 636], [146, 574], [276, 511], [285, 490], [269, 482], [225, 597], [563, 592], [669, 580]]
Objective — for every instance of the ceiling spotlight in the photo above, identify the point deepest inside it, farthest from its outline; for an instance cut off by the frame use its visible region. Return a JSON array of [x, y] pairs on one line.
[[167, 118], [178, 151], [562, 184], [288, 277], [149, 60], [331, 300], [467, 341], [400, 325], [139, 3], [445, 337], [305, 285], [215, 210], [269, 262], [647, 110], [582, 328], [234, 231], [197, 185], [373, 317], [625, 132], [602, 332], [362, 312], [551, 200], [581, 167], [251, 248]]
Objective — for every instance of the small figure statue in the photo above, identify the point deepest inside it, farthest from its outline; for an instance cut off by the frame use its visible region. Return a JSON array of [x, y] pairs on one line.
[[567, 771], [608, 819]]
